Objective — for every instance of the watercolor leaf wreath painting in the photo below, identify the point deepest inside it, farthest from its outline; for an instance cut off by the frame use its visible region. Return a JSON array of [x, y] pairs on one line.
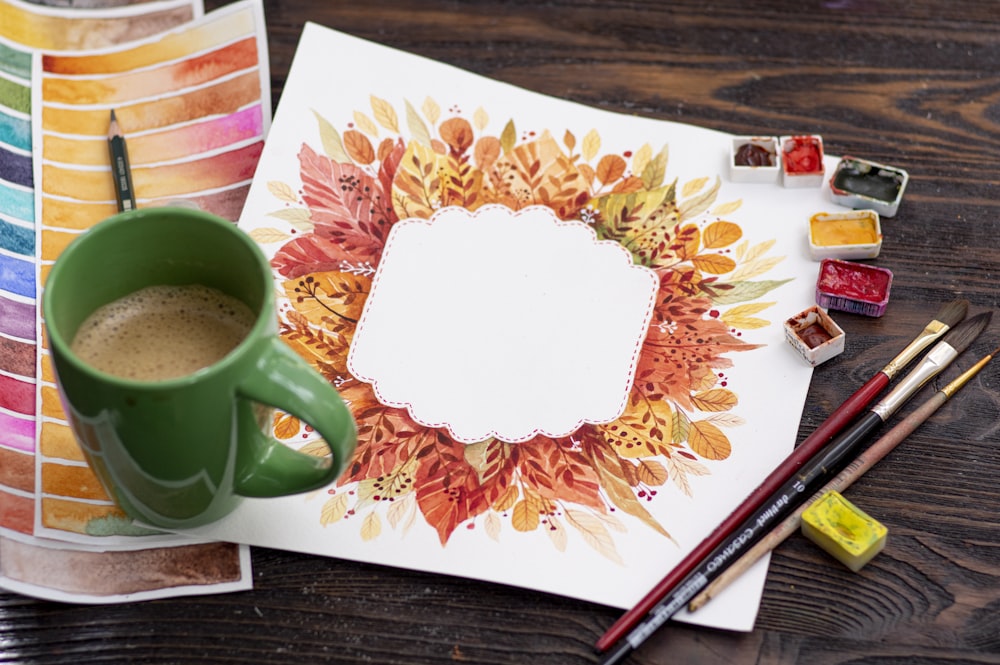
[[363, 179]]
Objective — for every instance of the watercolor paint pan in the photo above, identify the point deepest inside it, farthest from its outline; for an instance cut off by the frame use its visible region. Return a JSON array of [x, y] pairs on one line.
[[802, 160], [857, 288], [858, 183], [845, 235], [755, 159], [815, 335]]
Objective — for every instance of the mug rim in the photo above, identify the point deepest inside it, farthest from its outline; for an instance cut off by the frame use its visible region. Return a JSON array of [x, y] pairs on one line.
[[107, 225]]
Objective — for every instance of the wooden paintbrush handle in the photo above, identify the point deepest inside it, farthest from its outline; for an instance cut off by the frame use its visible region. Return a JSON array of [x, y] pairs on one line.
[[833, 425]]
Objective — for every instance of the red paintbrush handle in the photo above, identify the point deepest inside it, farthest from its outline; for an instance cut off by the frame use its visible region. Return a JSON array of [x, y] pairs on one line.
[[838, 420]]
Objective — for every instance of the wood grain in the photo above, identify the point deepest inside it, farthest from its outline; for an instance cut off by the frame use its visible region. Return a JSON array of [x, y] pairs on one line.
[[914, 84]]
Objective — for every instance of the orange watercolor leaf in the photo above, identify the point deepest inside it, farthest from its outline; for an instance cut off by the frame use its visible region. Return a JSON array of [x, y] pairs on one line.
[[721, 234], [718, 399], [709, 441], [610, 168], [359, 147]]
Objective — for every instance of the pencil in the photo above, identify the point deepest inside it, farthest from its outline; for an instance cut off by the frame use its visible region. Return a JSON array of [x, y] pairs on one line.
[[797, 489], [121, 171], [865, 461], [945, 319]]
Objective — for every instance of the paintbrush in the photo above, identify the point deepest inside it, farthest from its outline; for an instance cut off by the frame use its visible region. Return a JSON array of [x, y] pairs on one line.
[[865, 461], [944, 320], [799, 487]]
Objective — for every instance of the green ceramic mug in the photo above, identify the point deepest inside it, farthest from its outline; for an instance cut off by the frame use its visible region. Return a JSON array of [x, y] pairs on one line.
[[183, 451]]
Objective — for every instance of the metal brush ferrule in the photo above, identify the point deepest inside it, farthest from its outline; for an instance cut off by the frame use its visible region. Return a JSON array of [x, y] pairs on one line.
[[933, 363], [933, 331]]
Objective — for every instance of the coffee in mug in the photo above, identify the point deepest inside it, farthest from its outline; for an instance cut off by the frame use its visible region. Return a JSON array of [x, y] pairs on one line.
[[162, 332], [163, 335]]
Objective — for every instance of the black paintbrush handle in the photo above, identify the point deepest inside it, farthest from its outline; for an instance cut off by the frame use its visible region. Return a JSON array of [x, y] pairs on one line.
[[782, 503]]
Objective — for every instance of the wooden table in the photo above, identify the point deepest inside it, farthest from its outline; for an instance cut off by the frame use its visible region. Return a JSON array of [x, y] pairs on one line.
[[913, 84]]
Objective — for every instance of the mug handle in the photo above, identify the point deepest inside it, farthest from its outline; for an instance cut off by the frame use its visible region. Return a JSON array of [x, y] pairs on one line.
[[283, 379]]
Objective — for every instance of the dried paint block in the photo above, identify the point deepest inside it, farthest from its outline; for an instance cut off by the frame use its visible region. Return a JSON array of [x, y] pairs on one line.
[[845, 235], [843, 530], [755, 159], [815, 335], [853, 287], [802, 161], [858, 183]]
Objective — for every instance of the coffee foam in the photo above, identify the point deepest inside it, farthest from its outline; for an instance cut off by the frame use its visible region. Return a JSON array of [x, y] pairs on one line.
[[163, 332]]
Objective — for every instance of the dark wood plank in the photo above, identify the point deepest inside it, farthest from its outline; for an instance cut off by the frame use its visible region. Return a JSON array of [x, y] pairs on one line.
[[914, 84]]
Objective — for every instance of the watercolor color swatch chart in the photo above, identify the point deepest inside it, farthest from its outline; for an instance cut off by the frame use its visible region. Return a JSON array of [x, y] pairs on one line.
[[559, 329], [192, 91]]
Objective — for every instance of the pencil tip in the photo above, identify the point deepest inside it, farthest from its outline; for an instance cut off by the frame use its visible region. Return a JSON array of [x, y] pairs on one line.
[[113, 118], [953, 312]]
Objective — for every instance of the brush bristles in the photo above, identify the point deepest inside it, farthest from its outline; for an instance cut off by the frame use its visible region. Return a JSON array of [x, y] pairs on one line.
[[966, 332], [952, 313]]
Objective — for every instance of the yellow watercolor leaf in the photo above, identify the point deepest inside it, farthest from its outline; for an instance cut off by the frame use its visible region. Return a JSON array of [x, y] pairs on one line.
[[507, 499], [365, 124], [480, 118], [619, 491], [418, 130], [283, 191], [525, 517], [316, 448], [402, 511], [330, 138], [594, 533], [680, 467], [641, 158], [692, 187], [492, 524], [296, 217], [371, 526], [709, 441], [727, 208], [333, 510], [508, 137], [755, 268], [745, 322], [385, 114], [591, 145], [556, 533], [745, 254], [285, 425], [717, 399], [695, 206], [727, 420], [656, 170], [432, 111], [720, 234], [269, 235], [715, 264]]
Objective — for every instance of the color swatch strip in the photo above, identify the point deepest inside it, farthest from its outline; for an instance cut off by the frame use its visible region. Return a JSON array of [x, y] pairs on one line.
[[194, 105], [17, 292], [39, 27]]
